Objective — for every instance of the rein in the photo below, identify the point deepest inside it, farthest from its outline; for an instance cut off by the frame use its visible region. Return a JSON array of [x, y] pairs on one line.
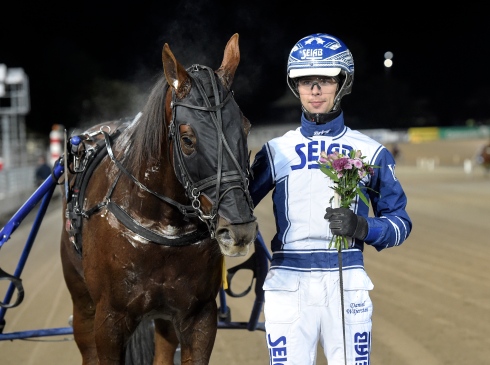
[[186, 210]]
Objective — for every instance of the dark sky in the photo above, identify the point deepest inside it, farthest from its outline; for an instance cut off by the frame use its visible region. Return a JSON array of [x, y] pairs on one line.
[[96, 60]]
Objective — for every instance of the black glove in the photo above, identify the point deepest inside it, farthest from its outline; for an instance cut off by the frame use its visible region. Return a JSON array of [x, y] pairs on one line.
[[344, 222]]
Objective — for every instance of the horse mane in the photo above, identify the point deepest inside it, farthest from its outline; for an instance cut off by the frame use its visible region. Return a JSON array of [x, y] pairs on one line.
[[147, 134]]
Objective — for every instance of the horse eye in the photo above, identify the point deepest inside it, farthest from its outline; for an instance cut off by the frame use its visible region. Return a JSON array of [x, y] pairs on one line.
[[187, 141]]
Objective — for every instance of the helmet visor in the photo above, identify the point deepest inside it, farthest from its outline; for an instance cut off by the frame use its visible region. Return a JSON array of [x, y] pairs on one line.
[[299, 72]]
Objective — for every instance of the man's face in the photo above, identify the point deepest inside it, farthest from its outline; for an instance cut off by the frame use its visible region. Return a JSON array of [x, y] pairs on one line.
[[317, 93]]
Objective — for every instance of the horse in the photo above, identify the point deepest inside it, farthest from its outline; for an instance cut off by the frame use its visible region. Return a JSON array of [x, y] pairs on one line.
[[152, 205], [483, 157]]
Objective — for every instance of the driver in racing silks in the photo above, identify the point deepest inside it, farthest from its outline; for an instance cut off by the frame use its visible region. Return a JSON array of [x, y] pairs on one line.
[[303, 287]]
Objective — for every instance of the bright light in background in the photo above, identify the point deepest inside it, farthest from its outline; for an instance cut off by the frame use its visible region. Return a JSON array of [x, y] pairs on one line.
[[388, 59], [388, 63]]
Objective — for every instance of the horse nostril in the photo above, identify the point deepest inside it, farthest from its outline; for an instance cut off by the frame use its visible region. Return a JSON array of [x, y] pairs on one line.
[[223, 234], [237, 235]]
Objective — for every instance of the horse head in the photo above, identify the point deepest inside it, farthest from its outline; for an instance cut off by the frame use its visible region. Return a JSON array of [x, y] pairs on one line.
[[209, 149]]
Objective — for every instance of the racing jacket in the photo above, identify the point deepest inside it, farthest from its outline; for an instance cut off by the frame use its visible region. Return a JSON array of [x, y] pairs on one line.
[[289, 165]]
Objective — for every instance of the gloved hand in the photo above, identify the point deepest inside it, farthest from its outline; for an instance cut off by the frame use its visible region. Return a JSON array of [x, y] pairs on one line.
[[344, 222]]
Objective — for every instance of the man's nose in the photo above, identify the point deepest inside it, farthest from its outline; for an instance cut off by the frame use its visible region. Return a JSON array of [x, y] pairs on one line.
[[316, 84]]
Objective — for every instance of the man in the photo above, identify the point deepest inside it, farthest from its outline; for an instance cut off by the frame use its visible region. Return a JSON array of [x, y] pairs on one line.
[[303, 289], [42, 171]]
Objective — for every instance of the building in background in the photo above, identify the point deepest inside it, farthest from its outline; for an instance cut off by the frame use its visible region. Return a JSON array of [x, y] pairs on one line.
[[14, 106]]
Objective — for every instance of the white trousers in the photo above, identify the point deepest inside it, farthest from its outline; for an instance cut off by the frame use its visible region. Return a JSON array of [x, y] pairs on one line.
[[302, 309]]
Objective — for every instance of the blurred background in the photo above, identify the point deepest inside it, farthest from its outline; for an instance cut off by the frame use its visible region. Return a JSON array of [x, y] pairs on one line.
[[421, 87], [419, 73]]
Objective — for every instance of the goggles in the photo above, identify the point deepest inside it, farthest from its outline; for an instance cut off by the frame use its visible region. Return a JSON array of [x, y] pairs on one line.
[[323, 81]]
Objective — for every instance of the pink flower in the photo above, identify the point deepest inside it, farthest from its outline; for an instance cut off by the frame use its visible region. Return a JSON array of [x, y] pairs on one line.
[[323, 157], [334, 156], [341, 164], [346, 172], [357, 163]]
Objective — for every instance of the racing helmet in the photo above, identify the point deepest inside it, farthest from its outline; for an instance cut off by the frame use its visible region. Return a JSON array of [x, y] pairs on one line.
[[324, 55]]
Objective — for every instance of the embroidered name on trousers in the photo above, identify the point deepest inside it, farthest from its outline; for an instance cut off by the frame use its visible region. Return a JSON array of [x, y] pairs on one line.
[[357, 308], [362, 345], [277, 350]]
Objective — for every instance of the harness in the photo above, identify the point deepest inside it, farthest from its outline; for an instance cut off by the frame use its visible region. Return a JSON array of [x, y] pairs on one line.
[[86, 156]]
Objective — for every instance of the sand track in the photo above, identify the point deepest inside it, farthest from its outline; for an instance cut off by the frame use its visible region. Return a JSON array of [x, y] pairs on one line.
[[431, 297]]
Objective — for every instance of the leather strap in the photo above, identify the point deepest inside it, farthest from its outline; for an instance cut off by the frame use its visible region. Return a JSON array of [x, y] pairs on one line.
[[153, 236]]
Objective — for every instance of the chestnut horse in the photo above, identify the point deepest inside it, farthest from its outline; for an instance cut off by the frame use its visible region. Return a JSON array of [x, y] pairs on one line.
[[151, 207]]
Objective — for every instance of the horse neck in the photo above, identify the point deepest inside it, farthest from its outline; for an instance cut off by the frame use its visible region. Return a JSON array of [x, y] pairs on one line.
[[152, 175], [159, 177]]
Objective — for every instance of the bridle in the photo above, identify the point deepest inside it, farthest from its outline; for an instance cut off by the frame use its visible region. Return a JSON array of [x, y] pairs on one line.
[[187, 175], [86, 159]]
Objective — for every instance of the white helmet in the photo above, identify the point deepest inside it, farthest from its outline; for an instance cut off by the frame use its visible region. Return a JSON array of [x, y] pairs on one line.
[[324, 55]]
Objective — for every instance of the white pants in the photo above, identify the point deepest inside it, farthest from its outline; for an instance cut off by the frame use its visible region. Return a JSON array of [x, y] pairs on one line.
[[304, 308]]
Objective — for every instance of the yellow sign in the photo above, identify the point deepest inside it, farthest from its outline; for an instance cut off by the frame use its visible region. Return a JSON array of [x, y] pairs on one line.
[[423, 134]]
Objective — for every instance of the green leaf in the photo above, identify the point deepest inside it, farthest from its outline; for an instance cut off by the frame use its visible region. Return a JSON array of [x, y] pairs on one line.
[[362, 196], [329, 172], [368, 188]]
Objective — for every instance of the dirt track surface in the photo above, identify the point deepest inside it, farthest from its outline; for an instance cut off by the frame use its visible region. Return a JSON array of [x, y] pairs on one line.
[[431, 295]]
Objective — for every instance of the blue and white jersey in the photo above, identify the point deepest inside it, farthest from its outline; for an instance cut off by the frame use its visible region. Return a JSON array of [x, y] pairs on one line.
[[289, 165]]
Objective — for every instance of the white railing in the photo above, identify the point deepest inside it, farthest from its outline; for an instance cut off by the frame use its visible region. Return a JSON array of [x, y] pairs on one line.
[[16, 186]]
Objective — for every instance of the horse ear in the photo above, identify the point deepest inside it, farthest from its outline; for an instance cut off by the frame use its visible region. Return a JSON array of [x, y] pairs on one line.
[[175, 73], [231, 58]]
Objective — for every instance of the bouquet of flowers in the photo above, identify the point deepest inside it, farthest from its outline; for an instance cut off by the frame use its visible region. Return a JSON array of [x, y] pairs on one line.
[[346, 172]]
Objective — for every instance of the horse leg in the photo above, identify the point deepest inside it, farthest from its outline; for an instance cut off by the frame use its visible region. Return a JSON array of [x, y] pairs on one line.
[[83, 330], [112, 331], [166, 342], [83, 310], [198, 334]]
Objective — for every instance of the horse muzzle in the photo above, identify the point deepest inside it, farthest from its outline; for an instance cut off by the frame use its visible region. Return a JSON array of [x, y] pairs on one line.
[[235, 239]]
